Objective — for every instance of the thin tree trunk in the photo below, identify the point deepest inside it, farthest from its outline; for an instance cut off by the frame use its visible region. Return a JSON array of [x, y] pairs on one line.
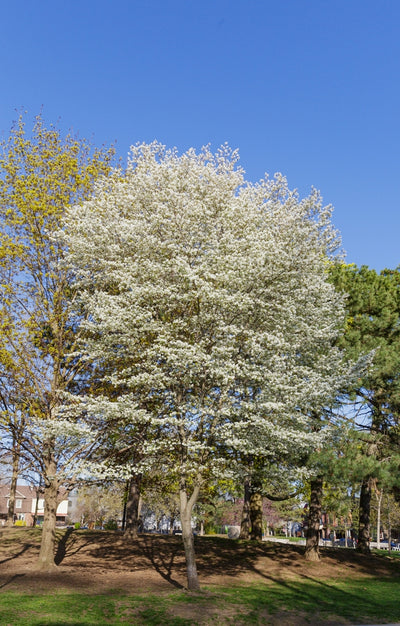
[[389, 527], [13, 485], [186, 508], [245, 521], [364, 516], [35, 515], [48, 543], [256, 511], [133, 507], [126, 492], [314, 517], [378, 521]]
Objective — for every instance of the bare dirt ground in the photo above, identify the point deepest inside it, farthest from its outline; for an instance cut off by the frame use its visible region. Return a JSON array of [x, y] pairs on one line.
[[103, 562]]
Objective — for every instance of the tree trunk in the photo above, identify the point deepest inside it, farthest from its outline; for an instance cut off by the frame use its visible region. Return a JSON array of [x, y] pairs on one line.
[[314, 517], [245, 521], [364, 516], [35, 515], [389, 527], [133, 507], [13, 485], [378, 521], [186, 507], [256, 511], [47, 546], [126, 492]]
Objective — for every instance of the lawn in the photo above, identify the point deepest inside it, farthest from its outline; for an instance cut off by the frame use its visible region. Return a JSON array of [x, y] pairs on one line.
[[297, 602], [103, 580]]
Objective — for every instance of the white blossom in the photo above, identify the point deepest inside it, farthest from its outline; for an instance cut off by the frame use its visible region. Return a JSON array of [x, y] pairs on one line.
[[209, 294]]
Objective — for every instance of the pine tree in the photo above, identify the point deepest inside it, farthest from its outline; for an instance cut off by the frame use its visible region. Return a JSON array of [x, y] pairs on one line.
[[373, 316]]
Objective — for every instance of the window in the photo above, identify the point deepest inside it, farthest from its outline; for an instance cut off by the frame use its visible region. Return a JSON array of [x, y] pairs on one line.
[[18, 503]]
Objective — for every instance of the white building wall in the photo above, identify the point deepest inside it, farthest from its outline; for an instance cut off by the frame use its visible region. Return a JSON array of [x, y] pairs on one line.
[[62, 508]]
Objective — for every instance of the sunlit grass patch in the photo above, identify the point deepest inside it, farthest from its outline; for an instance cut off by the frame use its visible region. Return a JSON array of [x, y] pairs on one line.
[[352, 600]]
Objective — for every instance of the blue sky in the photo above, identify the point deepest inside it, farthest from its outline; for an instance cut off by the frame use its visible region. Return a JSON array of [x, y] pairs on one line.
[[310, 88]]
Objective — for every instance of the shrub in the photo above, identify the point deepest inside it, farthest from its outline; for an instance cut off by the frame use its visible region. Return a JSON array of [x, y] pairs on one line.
[[111, 524]]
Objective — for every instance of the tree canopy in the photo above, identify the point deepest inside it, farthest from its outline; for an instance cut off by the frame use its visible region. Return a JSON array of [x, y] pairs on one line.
[[41, 173], [211, 294]]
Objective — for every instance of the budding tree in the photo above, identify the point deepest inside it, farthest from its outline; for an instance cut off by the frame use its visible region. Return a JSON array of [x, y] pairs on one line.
[[41, 173], [212, 293]]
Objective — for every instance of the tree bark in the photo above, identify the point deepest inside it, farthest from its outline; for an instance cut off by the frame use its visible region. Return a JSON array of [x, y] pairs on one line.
[[48, 543], [13, 485], [378, 515], [389, 527], [35, 515], [186, 507], [133, 507], [245, 521], [256, 511], [364, 516], [314, 517]]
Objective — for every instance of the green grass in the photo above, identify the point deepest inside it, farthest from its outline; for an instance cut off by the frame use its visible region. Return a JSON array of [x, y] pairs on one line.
[[73, 609], [294, 539], [395, 554], [356, 600]]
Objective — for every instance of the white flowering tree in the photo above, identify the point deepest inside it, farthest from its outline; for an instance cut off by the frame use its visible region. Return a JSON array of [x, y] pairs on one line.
[[210, 296]]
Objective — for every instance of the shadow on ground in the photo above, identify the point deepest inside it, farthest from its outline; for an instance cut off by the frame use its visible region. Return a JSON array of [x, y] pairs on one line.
[[97, 561]]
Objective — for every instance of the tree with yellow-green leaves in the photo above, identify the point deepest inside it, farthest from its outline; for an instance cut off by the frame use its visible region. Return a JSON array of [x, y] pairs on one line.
[[41, 174]]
